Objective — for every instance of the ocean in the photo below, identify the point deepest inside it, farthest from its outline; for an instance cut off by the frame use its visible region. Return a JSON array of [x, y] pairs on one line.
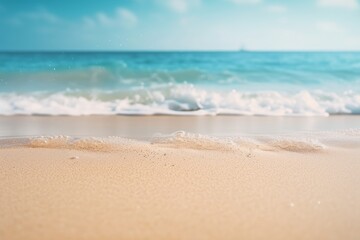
[[180, 83]]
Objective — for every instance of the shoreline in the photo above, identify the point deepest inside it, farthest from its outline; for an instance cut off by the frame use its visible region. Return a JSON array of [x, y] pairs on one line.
[[140, 127]]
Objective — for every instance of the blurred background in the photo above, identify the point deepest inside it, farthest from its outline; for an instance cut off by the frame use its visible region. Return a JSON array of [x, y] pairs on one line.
[[180, 25], [179, 58]]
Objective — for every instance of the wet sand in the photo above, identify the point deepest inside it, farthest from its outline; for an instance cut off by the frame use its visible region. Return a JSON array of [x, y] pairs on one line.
[[146, 126]]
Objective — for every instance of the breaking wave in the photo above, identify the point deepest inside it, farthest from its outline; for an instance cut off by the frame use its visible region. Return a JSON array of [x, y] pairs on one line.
[[180, 99]]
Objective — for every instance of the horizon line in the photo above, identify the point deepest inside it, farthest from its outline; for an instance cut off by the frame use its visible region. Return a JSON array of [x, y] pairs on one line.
[[167, 51]]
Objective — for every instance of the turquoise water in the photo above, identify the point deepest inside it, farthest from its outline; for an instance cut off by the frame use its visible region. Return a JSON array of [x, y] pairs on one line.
[[180, 83]]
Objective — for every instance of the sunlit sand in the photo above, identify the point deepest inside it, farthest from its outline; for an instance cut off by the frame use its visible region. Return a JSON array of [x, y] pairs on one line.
[[181, 186]]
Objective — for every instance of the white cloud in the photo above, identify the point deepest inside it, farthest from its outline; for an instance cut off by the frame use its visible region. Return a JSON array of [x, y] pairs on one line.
[[243, 2], [349, 4], [328, 27], [128, 17], [103, 19], [40, 15], [277, 9], [43, 15], [180, 6], [121, 18]]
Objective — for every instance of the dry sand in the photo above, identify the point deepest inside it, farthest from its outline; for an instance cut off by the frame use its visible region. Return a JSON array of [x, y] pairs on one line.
[[179, 190]]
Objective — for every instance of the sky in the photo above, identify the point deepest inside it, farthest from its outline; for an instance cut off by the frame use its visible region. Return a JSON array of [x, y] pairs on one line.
[[263, 25]]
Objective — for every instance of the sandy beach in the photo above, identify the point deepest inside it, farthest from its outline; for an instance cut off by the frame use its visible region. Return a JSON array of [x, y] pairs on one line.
[[183, 186], [180, 120]]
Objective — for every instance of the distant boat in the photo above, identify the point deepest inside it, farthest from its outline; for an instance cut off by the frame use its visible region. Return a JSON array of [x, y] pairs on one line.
[[242, 49]]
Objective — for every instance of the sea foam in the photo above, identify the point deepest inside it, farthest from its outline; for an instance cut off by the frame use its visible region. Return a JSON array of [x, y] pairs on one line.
[[299, 143], [182, 99]]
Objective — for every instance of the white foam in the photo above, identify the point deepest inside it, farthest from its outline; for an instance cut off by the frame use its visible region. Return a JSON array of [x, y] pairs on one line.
[[300, 142], [181, 139], [87, 144], [181, 99], [297, 145]]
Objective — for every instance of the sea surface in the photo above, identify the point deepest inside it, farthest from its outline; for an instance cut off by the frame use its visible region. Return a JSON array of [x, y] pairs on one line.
[[180, 83]]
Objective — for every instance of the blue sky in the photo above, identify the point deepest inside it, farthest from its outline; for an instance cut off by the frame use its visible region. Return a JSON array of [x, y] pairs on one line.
[[180, 25]]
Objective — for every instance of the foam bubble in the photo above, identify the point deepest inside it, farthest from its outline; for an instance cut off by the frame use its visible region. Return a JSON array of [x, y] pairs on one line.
[[88, 144], [50, 142], [178, 140], [297, 145], [181, 139]]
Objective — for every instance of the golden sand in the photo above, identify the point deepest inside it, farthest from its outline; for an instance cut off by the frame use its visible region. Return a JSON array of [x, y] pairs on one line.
[[179, 188]]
